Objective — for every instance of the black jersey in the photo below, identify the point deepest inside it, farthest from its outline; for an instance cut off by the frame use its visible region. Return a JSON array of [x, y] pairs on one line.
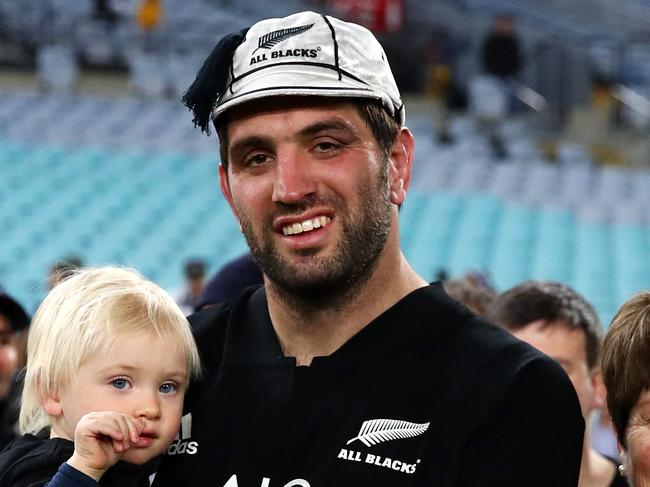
[[425, 395]]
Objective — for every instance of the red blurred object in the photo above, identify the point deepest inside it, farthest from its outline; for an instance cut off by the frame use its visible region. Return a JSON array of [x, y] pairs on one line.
[[380, 16]]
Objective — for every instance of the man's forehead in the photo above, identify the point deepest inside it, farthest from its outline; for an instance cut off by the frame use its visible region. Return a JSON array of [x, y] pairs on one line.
[[282, 104], [556, 334], [553, 327]]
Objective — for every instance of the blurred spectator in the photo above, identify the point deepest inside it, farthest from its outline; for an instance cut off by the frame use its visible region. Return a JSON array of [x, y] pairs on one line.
[[104, 11], [188, 296], [440, 52], [13, 332], [150, 17], [150, 13], [441, 274], [475, 295], [62, 269], [501, 61], [234, 276], [626, 372], [500, 54], [562, 324]]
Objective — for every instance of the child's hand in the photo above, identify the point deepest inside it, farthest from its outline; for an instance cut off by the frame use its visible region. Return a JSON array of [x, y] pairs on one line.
[[100, 440]]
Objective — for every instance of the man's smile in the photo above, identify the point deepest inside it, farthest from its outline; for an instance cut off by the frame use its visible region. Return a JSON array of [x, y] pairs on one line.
[[306, 225]]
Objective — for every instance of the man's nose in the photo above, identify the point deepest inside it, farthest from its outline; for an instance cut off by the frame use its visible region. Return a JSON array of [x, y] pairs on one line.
[[8, 359], [294, 179]]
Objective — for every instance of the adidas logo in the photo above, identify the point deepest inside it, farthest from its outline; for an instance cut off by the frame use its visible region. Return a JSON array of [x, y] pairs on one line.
[[182, 443]]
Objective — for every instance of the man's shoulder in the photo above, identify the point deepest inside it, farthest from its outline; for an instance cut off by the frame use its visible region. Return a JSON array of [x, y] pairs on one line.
[[211, 325], [474, 347], [449, 321]]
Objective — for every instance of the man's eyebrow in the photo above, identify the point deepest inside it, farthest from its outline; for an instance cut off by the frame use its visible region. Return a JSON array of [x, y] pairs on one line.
[[323, 126], [239, 146]]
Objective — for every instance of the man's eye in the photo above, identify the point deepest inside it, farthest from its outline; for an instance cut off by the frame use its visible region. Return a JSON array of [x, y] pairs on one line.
[[326, 146], [5, 338], [120, 383], [167, 388], [256, 160]]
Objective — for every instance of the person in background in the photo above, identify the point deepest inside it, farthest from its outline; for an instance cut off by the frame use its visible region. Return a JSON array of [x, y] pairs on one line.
[[477, 296], [229, 280], [110, 356], [346, 368], [150, 16], [190, 294], [492, 93], [14, 323], [62, 269], [501, 55], [626, 372], [561, 323]]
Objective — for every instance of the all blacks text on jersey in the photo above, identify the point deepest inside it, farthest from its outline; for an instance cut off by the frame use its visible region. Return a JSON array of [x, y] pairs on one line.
[[266, 482]]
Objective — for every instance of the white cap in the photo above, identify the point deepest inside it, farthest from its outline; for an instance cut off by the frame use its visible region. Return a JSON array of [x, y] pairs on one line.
[[310, 54]]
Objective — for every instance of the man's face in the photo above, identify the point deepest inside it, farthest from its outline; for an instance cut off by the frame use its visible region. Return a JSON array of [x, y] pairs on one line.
[[8, 355], [310, 189], [567, 346]]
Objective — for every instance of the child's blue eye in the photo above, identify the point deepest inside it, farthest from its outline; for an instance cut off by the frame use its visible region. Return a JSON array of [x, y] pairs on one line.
[[119, 383], [167, 388]]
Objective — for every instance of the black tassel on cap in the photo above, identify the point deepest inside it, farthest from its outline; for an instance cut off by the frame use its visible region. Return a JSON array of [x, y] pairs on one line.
[[211, 80]]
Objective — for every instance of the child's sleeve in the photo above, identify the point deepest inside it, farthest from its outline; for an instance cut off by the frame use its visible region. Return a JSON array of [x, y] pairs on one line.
[[68, 476]]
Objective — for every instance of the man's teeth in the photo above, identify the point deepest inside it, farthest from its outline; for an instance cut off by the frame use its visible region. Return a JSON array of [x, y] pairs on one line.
[[306, 226]]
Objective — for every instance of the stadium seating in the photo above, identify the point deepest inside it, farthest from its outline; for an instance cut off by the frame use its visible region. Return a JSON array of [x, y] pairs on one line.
[[122, 180]]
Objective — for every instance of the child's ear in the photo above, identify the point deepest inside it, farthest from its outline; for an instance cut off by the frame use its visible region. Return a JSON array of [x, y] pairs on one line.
[[52, 405]]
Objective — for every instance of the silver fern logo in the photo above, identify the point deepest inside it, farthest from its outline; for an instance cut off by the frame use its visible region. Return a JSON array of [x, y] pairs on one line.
[[267, 41], [376, 431]]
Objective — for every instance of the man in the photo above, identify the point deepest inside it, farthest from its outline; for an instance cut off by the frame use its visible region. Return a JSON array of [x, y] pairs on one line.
[[188, 296], [562, 324], [473, 291], [229, 280], [500, 53], [13, 333], [346, 368], [62, 269]]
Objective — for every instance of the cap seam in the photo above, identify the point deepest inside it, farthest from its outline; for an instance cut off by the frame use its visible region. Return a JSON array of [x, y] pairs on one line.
[[302, 87], [336, 46], [299, 63]]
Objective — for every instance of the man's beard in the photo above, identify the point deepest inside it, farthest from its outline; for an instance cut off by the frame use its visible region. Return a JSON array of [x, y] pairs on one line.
[[328, 280]]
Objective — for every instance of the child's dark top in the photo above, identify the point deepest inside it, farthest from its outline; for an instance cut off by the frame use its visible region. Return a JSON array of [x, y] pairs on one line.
[[34, 460]]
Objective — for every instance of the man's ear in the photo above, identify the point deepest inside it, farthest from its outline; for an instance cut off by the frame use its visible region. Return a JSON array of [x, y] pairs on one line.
[[400, 166], [224, 184], [598, 386]]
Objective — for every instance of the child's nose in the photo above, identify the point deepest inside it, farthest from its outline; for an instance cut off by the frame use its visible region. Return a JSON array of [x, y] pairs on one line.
[[148, 406]]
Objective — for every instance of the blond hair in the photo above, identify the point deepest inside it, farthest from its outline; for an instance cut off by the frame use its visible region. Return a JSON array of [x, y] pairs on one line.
[[82, 316], [626, 360]]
